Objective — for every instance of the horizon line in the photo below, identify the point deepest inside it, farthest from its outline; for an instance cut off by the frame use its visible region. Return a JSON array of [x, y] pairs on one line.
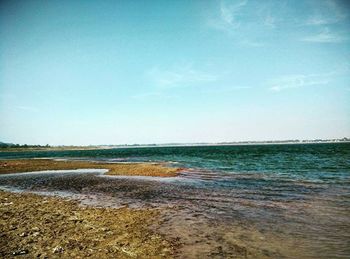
[[283, 141]]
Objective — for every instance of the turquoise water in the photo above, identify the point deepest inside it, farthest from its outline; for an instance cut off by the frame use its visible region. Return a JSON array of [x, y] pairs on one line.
[[300, 191], [327, 163]]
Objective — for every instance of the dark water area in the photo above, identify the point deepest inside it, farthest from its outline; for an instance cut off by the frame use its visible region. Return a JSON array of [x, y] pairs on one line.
[[286, 200]]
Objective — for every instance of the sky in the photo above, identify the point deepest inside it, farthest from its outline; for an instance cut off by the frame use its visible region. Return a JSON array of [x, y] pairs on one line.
[[122, 72]]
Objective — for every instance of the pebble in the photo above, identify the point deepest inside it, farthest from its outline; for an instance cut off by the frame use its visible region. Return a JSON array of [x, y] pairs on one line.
[[20, 252], [7, 203], [35, 229], [58, 249]]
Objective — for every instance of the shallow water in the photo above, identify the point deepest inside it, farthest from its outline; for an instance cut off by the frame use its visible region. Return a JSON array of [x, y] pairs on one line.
[[274, 201]]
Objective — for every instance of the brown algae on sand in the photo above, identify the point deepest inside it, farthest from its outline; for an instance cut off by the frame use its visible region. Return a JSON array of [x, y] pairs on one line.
[[133, 169], [44, 227], [143, 169]]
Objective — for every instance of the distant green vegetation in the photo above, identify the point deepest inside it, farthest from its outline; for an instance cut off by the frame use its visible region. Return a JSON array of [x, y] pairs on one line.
[[11, 145]]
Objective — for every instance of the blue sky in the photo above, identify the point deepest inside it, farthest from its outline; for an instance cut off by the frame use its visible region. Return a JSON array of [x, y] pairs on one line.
[[115, 72]]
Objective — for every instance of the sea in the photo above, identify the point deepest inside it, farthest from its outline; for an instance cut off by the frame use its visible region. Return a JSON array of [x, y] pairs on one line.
[[268, 201]]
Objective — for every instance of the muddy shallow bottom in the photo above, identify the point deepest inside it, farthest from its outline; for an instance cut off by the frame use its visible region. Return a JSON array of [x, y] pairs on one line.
[[216, 215]]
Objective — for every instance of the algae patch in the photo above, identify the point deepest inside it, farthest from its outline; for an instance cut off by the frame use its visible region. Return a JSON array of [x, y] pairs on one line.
[[36, 226], [133, 169]]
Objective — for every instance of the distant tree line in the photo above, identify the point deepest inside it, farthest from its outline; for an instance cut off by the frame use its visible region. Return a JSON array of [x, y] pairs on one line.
[[10, 145]]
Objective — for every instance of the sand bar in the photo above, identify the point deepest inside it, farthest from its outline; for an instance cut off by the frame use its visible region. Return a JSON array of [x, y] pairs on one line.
[[131, 169]]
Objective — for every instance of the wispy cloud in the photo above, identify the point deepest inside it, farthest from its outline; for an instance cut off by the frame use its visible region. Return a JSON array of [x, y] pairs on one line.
[[249, 23], [326, 13], [318, 20], [269, 21], [229, 13], [298, 81], [180, 76], [229, 16], [326, 18], [325, 36], [238, 19]]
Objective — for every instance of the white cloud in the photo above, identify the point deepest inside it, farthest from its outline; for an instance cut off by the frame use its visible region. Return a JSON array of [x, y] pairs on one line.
[[298, 81], [228, 19], [247, 23], [270, 21], [238, 21], [317, 20], [327, 12], [325, 36], [180, 76], [229, 13]]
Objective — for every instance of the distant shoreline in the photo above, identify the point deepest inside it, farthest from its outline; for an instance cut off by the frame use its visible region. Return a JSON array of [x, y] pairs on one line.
[[63, 148], [101, 147]]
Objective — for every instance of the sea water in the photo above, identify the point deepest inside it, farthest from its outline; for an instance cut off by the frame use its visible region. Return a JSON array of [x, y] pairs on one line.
[[296, 192]]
